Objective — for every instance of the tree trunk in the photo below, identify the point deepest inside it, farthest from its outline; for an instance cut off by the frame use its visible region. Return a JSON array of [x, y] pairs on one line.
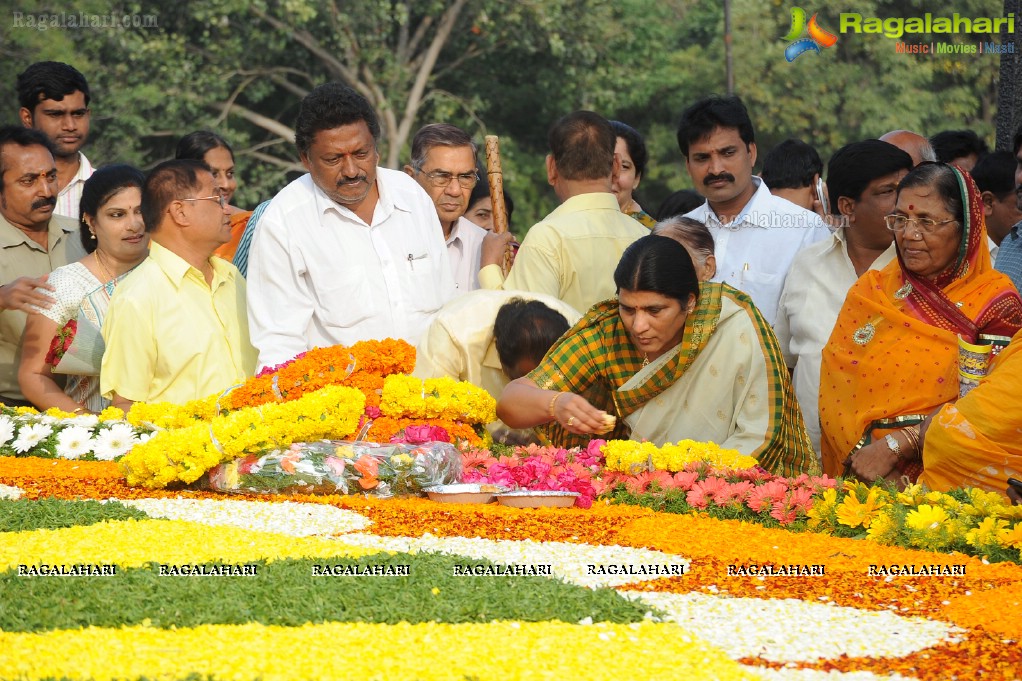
[[1009, 94]]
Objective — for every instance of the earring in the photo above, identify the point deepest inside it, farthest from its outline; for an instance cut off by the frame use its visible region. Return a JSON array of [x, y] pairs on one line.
[[92, 235]]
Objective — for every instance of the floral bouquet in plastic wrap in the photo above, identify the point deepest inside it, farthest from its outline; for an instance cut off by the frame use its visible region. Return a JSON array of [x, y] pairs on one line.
[[341, 467]]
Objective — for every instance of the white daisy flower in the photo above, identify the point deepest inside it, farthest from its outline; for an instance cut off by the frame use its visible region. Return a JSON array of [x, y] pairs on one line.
[[6, 430], [145, 437], [114, 441], [30, 436], [74, 442]]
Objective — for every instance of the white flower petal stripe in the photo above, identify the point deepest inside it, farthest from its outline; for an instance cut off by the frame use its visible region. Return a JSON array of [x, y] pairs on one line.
[[295, 519], [8, 492], [798, 631]]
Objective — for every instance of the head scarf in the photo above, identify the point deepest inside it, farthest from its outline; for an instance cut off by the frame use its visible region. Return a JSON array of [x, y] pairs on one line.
[[928, 299]]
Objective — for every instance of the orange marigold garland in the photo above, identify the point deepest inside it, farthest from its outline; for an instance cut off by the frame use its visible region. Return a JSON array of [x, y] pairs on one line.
[[362, 366]]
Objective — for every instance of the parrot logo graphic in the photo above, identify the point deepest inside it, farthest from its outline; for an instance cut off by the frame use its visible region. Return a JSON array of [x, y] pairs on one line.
[[818, 38]]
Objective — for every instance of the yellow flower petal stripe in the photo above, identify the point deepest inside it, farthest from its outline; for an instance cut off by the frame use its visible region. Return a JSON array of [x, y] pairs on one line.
[[633, 457], [133, 543], [186, 453], [436, 398], [497, 650]]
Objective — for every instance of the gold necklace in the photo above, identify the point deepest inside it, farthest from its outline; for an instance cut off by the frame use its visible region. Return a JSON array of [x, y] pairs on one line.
[[106, 272], [645, 361]]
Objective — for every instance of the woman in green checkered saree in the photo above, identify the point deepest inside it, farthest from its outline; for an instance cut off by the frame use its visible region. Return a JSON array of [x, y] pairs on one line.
[[668, 359]]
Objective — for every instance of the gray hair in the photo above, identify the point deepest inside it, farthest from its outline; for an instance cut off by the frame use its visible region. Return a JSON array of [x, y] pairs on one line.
[[691, 234], [438, 135]]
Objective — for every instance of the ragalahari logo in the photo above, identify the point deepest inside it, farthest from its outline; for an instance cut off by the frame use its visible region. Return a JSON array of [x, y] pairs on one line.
[[818, 36]]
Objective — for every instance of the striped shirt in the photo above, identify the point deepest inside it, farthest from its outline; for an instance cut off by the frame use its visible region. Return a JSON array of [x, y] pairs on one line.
[[70, 196], [1009, 256]]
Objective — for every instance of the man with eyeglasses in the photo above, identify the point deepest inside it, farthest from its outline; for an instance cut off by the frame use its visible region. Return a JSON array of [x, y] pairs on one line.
[[862, 180], [54, 99], [349, 251], [571, 254], [444, 164], [33, 240], [176, 329]]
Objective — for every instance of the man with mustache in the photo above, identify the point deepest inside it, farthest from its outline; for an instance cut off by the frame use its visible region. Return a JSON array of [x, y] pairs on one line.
[[33, 240], [444, 165], [1009, 256], [349, 251], [756, 234], [54, 99]]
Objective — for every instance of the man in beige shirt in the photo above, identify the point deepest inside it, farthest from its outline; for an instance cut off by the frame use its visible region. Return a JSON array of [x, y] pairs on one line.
[[33, 242], [571, 254], [490, 338], [862, 179]]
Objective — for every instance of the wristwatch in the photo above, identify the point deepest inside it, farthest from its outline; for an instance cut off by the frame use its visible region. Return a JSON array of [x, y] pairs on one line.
[[892, 444]]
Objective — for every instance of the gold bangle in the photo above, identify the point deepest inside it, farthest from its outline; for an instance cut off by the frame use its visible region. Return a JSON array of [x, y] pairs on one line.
[[553, 402]]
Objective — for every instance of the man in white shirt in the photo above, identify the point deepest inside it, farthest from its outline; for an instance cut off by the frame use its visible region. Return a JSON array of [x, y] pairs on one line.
[[54, 100], [862, 180], [349, 251], [444, 164], [756, 234]]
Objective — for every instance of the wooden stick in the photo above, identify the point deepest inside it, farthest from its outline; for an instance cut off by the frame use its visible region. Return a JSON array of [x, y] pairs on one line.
[[495, 177]]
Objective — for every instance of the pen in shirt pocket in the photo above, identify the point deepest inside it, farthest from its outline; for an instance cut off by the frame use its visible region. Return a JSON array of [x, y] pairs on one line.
[[413, 258], [741, 277]]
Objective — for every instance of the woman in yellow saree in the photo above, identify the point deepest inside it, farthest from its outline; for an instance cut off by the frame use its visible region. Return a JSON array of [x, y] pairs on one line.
[[670, 358], [892, 358], [977, 441]]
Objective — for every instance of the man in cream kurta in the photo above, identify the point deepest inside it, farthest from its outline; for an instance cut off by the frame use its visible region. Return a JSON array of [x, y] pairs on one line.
[[862, 178], [460, 341], [572, 253]]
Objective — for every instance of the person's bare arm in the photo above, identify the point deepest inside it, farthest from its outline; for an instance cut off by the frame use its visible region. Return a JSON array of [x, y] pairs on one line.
[[34, 374], [121, 403], [523, 404]]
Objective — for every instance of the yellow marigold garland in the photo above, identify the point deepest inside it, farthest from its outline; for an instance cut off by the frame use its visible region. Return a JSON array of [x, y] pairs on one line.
[[170, 415], [184, 454], [436, 398], [629, 456]]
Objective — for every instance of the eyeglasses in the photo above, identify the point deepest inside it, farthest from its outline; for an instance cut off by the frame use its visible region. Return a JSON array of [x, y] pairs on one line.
[[442, 178], [219, 198], [898, 223]]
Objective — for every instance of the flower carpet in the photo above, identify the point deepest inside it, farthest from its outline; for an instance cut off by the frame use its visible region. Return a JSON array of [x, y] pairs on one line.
[[99, 580]]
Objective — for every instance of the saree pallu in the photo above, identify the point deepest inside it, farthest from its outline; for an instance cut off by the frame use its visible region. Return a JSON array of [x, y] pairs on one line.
[[238, 223], [726, 382], [977, 441], [885, 368]]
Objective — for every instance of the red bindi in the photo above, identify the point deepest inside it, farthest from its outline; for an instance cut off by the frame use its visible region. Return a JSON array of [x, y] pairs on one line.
[[911, 207]]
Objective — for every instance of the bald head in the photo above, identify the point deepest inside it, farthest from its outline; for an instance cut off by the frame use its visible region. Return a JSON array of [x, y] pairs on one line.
[[913, 144]]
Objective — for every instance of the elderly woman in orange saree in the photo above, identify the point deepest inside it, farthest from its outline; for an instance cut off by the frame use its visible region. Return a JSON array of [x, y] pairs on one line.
[[892, 358]]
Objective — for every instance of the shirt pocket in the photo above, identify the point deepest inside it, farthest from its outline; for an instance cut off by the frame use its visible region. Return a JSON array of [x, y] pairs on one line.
[[423, 282], [344, 298]]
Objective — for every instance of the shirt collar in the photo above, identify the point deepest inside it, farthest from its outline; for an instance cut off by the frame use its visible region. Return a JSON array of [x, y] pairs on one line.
[[389, 201], [56, 230], [84, 171], [177, 269], [754, 206], [491, 359]]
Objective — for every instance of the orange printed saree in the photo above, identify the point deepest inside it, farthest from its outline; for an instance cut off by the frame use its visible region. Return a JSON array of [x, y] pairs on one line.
[[238, 222], [892, 358], [977, 441]]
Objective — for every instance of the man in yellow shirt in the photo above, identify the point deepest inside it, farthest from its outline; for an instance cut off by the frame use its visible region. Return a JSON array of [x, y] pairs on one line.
[[177, 328], [571, 254]]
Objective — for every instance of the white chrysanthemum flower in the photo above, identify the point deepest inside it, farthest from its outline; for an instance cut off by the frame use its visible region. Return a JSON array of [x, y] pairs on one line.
[[6, 430], [46, 419], [74, 442], [30, 436], [89, 421], [114, 441]]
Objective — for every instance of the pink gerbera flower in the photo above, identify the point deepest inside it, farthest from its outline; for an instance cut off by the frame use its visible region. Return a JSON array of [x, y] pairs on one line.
[[703, 491]]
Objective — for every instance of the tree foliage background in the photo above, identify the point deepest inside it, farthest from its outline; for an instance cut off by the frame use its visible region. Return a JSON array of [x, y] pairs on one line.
[[506, 67]]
